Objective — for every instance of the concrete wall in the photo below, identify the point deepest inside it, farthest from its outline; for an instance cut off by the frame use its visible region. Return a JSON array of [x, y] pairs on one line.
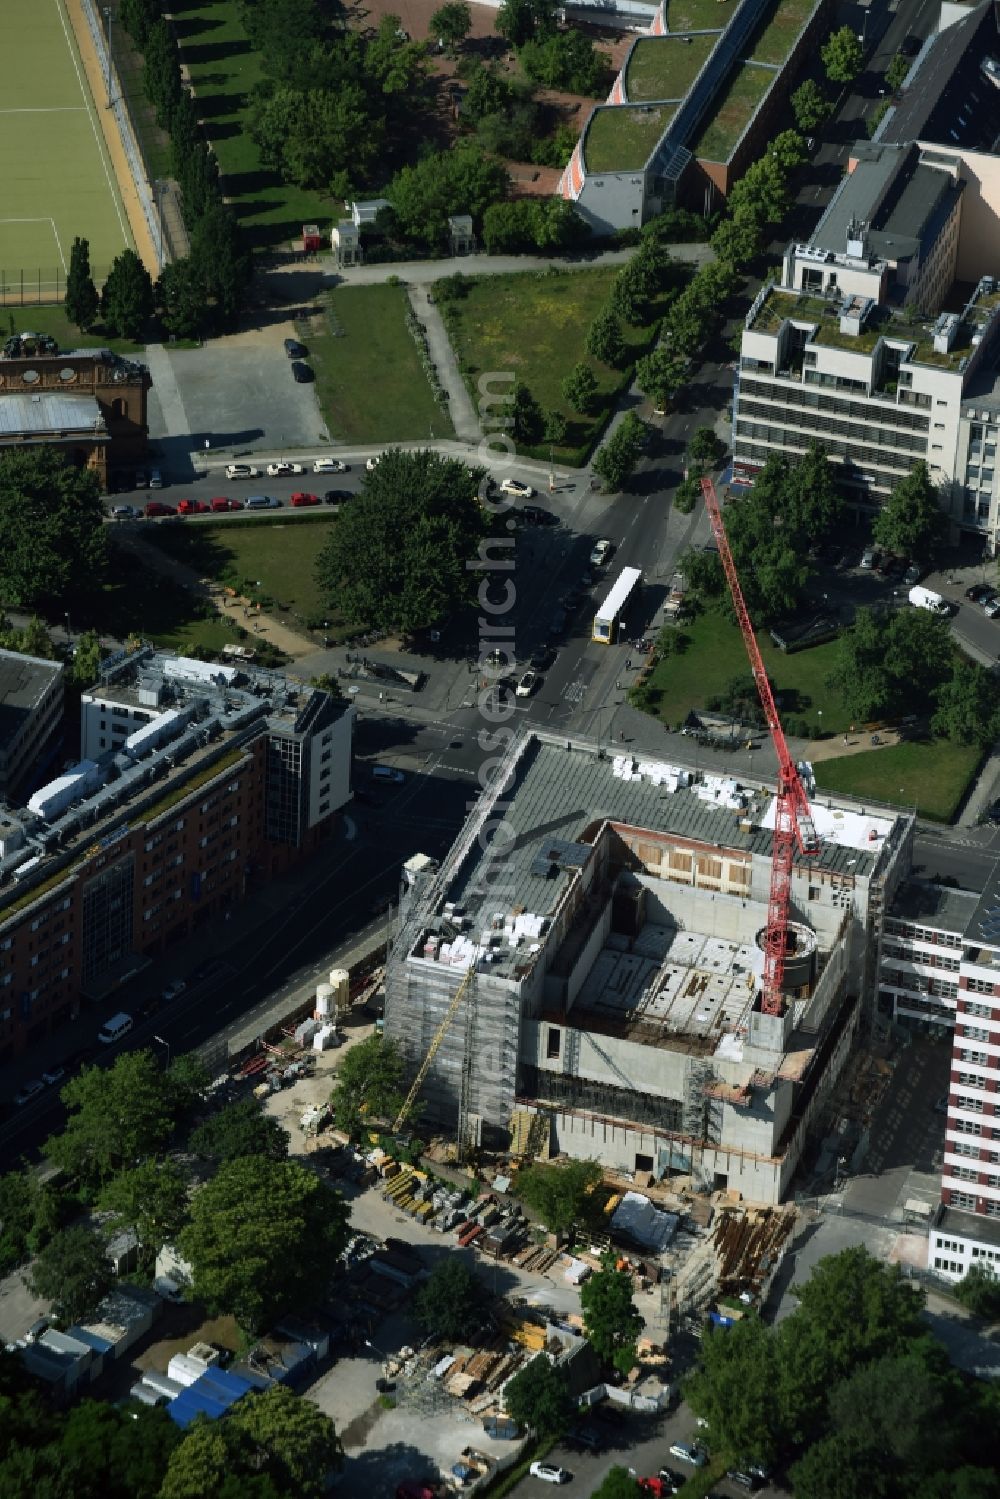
[[612, 200]]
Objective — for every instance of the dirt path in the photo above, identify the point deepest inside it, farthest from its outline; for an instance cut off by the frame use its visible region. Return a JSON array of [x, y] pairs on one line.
[[112, 137], [849, 744]]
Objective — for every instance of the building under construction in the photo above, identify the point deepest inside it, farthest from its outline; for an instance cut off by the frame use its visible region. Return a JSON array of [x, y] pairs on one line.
[[603, 916]]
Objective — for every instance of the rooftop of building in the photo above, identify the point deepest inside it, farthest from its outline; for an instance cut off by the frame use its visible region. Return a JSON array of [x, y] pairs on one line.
[[664, 67], [984, 923], [733, 110], [899, 199], [48, 413], [965, 1225], [923, 902], [24, 681], [947, 98], [622, 137]]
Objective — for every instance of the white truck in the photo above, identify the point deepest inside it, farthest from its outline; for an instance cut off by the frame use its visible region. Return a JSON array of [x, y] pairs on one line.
[[926, 598]]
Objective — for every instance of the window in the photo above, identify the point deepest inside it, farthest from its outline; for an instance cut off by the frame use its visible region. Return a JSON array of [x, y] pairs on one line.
[[966, 1147], [963, 1200], [979, 986], [993, 1210], [983, 1012], [968, 1126], [553, 1044], [975, 1032], [963, 1173], [980, 1058], [971, 1080], [974, 1105]]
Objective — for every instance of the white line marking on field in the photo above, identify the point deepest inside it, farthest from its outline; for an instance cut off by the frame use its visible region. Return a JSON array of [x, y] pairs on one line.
[[54, 109], [59, 247], [93, 123]]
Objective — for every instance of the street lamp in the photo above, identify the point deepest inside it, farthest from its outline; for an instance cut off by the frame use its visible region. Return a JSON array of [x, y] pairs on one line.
[[166, 1045]]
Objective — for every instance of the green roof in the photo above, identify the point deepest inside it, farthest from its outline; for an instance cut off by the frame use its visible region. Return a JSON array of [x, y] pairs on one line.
[[621, 138], [700, 15], [733, 111], [664, 67], [777, 37]]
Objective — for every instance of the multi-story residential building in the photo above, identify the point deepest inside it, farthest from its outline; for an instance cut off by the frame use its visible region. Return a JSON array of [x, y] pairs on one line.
[[196, 782], [967, 1227], [31, 710], [853, 350], [921, 953], [605, 914]]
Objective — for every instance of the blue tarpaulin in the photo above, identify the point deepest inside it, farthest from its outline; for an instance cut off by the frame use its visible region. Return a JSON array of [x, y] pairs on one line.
[[211, 1395]]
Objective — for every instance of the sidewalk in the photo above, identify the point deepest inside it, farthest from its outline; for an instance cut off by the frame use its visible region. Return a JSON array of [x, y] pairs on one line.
[[463, 414]]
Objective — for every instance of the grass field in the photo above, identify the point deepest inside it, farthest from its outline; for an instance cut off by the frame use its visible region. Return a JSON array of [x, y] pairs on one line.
[[166, 614], [665, 68], [223, 68], [55, 177], [733, 112], [369, 380], [932, 776], [280, 554], [535, 326], [53, 320]]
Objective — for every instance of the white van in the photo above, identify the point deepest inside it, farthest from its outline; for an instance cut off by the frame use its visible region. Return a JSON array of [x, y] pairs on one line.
[[114, 1029], [261, 502], [926, 598]]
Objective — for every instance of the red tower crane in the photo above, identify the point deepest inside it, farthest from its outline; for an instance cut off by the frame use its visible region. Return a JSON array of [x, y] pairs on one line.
[[793, 821]]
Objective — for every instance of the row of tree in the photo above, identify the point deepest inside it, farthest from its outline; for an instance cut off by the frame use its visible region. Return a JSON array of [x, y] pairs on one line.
[[207, 289]]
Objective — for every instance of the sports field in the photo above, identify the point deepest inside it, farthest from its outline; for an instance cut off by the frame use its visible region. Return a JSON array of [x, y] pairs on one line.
[[55, 176]]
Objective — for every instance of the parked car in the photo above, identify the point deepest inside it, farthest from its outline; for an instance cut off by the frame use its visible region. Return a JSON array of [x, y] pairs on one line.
[[337, 496], [993, 815], [282, 467], [156, 508], [53, 1075], [175, 987], [534, 515], [743, 1479], [602, 551], [242, 471], [517, 489], [301, 498], [688, 1452], [331, 466], [913, 574], [294, 349], [373, 462], [587, 1437], [192, 507], [672, 1480], [527, 684], [991, 606], [543, 658], [977, 592], [126, 512], [302, 374], [869, 557], [28, 1091], [156, 480], [222, 503], [261, 502], [549, 1473]]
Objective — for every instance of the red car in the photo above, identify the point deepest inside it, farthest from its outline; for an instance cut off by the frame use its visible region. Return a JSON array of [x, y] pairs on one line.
[[155, 508], [191, 507], [222, 503], [304, 499]]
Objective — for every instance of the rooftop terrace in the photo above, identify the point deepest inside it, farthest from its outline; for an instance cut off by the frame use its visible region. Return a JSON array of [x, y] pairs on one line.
[[664, 67], [621, 138], [733, 111]]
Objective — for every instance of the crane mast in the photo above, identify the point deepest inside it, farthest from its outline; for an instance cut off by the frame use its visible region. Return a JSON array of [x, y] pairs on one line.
[[793, 821]]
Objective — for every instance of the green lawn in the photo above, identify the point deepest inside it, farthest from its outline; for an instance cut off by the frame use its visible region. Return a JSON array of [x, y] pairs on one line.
[[733, 111], [663, 67], [53, 320], [223, 68], [535, 326], [154, 143], [280, 554], [369, 379], [620, 138], [777, 38], [55, 178], [932, 776], [165, 613], [699, 15], [716, 654]]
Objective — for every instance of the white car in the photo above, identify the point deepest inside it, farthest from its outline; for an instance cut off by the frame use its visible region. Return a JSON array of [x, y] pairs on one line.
[[601, 553], [687, 1453], [330, 466], [517, 489], [373, 463], [282, 467], [53, 1075], [527, 684], [549, 1473], [242, 471]]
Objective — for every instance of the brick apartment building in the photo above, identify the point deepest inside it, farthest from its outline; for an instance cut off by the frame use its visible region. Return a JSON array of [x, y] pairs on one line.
[[229, 779]]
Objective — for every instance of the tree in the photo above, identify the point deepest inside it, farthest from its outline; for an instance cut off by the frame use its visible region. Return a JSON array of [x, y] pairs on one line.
[[528, 423], [86, 662], [262, 1239], [36, 640], [911, 523], [895, 1411], [451, 1301], [605, 341], [619, 1484], [120, 1452], [704, 450], [580, 389], [842, 55], [538, 1397], [81, 302], [73, 1272], [151, 1199], [369, 1084], [616, 459], [967, 710], [565, 60], [290, 1438], [462, 180], [555, 426], [310, 136], [54, 551], [737, 241], [518, 21], [979, 1292], [788, 149], [182, 299], [240, 1129], [223, 263], [559, 1194], [127, 301], [895, 664], [29, 1216], [660, 373], [209, 1461], [488, 91], [810, 106], [810, 502], [896, 71], [396, 560], [610, 1318], [861, 1308], [734, 1388], [451, 24], [115, 1117], [39, 1473]]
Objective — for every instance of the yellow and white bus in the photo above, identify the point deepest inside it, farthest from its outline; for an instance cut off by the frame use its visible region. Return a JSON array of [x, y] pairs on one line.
[[612, 618]]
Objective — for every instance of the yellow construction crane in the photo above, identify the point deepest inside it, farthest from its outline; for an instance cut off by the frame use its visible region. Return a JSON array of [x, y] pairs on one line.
[[432, 1050]]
